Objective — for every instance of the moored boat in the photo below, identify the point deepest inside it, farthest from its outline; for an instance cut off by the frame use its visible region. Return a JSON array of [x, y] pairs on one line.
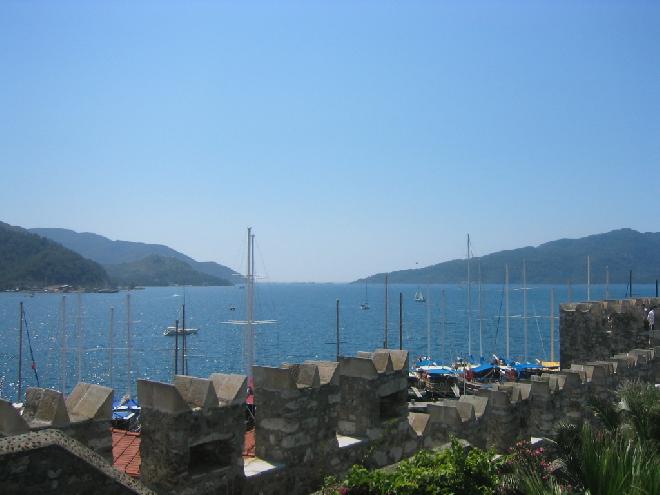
[[174, 330]]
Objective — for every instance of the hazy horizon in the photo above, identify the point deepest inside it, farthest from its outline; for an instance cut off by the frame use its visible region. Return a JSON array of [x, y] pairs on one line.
[[354, 137]]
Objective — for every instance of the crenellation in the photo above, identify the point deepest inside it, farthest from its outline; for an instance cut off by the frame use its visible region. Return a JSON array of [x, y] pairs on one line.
[[318, 418], [196, 392], [230, 389], [11, 422]]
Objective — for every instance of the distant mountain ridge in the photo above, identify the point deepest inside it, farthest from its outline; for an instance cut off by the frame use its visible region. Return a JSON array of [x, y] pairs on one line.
[[555, 262], [29, 261], [155, 270], [108, 252]]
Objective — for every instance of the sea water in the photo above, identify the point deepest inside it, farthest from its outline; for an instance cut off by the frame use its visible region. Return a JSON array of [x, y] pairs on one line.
[[304, 328]]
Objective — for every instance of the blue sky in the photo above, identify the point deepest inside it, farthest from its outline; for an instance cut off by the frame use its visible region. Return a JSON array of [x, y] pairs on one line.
[[355, 137]]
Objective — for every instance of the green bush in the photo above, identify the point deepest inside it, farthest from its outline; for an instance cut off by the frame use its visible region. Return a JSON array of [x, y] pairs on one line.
[[455, 470]]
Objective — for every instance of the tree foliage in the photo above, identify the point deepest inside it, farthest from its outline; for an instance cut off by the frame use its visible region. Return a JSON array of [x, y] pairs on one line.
[[28, 260]]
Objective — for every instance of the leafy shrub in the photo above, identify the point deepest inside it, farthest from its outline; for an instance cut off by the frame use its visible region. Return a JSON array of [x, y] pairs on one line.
[[452, 471]]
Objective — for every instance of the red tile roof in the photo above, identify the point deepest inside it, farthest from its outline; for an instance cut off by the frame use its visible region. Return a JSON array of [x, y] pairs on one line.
[[248, 447], [126, 451]]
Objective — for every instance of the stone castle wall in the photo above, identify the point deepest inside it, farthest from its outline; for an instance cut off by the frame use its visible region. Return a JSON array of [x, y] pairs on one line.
[[312, 419], [599, 329]]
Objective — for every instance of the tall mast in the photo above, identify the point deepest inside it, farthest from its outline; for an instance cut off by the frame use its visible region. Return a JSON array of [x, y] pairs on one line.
[[128, 344], [588, 278], [552, 324], [249, 331], [79, 336], [20, 350], [111, 344], [444, 323], [184, 350], [525, 304], [469, 299], [481, 316], [607, 282], [428, 323], [400, 320], [506, 305], [176, 347], [385, 339], [337, 330], [63, 347]]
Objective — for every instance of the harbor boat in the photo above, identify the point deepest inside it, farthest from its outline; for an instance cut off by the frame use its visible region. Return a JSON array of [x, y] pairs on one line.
[[126, 414], [365, 304], [419, 296], [174, 330]]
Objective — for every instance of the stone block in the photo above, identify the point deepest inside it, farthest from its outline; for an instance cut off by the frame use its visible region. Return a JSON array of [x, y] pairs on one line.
[[11, 422], [478, 403], [230, 389], [399, 358], [328, 371], [88, 401], [539, 389], [419, 422], [357, 368], [45, 407], [392, 385], [445, 413], [382, 362], [524, 388], [307, 376], [642, 355], [197, 392], [161, 397], [270, 378], [496, 398]]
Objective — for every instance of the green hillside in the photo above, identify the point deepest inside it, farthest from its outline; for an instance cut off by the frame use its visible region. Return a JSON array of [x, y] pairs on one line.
[[109, 252], [556, 262], [155, 270], [28, 261]]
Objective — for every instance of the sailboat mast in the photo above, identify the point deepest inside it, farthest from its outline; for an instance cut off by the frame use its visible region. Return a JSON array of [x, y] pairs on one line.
[[63, 347], [506, 306], [607, 282], [525, 304], [248, 338], [444, 323], [20, 350], [385, 339], [128, 344], [184, 353], [469, 299], [337, 330], [79, 336], [111, 344], [552, 324], [481, 317], [428, 323], [588, 278], [400, 320]]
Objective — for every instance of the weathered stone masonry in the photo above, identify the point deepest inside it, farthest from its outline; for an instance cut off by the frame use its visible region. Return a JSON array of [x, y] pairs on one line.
[[313, 419]]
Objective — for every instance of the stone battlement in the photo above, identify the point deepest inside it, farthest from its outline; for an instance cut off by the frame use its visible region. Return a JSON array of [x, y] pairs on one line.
[[315, 418]]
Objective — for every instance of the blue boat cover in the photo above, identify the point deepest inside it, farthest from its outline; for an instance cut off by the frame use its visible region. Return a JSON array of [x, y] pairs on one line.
[[483, 368], [441, 372]]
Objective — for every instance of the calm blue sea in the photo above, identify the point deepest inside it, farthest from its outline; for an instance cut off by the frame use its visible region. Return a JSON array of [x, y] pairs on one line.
[[305, 327]]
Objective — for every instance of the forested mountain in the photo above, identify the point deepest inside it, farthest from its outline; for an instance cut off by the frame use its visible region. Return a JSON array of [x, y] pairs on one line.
[[108, 252], [618, 251], [29, 260], [157, 270]]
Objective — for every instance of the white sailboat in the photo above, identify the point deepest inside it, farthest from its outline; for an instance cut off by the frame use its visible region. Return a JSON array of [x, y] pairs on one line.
[[365, 304]]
